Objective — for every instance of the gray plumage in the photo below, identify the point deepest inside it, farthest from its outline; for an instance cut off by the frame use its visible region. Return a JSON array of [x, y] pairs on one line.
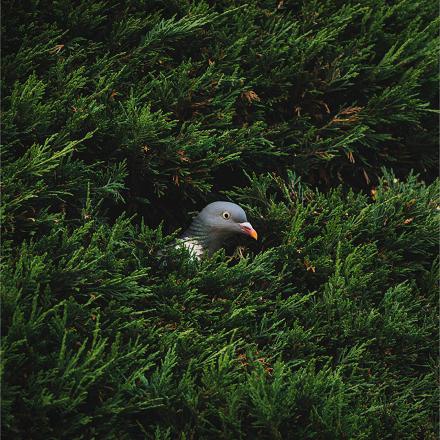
[[213, 226]]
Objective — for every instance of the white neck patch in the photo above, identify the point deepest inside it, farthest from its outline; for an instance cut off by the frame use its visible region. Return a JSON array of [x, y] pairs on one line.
[[193, 246]]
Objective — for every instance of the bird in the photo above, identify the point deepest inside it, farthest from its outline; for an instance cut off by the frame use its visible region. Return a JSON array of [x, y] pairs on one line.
[[213, 226]]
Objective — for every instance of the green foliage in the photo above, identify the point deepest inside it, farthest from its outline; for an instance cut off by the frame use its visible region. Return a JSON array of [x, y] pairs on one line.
[[119, 119], [187, 89], [330, 331]]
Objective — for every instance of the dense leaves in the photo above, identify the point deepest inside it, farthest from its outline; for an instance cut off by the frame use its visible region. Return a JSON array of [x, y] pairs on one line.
[[119, 119]]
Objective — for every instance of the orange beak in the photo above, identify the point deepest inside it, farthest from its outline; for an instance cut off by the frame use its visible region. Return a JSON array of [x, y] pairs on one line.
[[249, 230]]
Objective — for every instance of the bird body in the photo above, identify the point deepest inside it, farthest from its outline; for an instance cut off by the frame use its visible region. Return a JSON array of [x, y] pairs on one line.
[[214, 225]]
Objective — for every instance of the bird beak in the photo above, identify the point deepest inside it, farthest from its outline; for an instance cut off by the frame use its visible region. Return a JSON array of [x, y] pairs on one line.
[[249, 230]]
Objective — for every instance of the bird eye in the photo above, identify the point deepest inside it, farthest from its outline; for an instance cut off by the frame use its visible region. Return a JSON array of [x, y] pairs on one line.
[[226, 215]]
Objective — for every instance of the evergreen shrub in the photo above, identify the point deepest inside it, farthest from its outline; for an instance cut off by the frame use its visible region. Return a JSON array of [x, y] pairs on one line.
[[119, 119]]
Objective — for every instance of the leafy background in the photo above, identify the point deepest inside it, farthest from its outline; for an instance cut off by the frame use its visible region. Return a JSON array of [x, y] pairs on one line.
[[119, 120]]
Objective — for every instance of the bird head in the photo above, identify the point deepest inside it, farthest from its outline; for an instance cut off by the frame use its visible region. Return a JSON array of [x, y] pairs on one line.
[[217, 222], [225, 219]]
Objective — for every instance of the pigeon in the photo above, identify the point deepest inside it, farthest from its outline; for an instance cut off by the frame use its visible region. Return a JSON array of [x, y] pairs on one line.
[[213, 226]]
